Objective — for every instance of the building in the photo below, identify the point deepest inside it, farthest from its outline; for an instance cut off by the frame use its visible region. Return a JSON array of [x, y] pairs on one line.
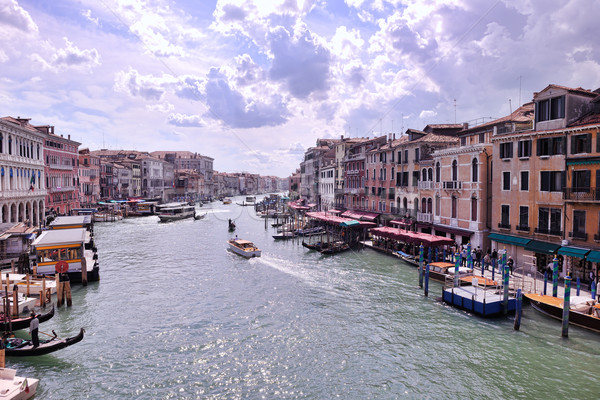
[[22, 175], [89, 178]]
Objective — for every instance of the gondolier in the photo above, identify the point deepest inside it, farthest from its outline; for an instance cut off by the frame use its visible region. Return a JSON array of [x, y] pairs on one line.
[[33, 330]]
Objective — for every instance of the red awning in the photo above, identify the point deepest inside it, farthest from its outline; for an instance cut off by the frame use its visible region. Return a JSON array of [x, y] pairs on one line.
[[404, 222], [360, 215], [335, 220], [456, 231], [411, 237]]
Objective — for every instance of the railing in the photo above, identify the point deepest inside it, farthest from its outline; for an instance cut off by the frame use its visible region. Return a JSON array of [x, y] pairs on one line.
[[597, 236], [522, 228], [582, 193], [424, 217], [452, 185], [426, 185], [578, 235], [404, 212], [503, 226], [546, 231]]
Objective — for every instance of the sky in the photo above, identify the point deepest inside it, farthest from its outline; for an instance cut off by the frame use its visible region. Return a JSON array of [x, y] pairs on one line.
[[254, 83]]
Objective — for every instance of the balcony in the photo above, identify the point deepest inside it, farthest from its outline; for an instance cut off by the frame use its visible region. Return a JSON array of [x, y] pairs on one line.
[[578, 235], [424, 217], [597, 237], [452, 185], [522, 228], [503, 226], [546, 231], [427, 185], [582, 194]]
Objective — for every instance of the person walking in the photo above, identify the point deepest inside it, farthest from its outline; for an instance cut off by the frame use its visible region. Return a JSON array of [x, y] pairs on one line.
[[33, 329], [478, 256], [510, 264], [592, 278], [494, 258]]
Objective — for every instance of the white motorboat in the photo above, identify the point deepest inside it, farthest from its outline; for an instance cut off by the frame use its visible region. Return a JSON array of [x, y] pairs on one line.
[[244, 248], [14, 387]]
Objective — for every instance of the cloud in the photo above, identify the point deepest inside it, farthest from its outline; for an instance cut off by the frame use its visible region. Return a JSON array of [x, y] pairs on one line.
[[182, 120], [14, 16], [145, 86], [87, 14], [71, 56], [427, 114], [299, 61], [230, 106], [247, 71]]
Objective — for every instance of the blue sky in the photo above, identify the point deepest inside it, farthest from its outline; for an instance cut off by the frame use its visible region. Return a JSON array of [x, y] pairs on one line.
[[254, 83]]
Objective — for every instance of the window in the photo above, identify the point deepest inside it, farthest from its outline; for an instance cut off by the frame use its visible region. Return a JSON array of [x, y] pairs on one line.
[[582, 181], [417, 150], [549, 221], [551, 181], [438, 172], [505, 217], [415, 178], [438, 206], [463, 141], [581, 144], [550, 109], [506, 150], [405, 156], [550, 146], [454, 207], [454, 170], [523, 218], [506, 180], [481, 137], [473, 209], [475, 170], [524, 181], [578, 223], [524, 148], [400, 157]]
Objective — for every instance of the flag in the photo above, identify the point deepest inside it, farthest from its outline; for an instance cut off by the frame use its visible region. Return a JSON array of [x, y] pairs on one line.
[[25, 386], [32, 181]]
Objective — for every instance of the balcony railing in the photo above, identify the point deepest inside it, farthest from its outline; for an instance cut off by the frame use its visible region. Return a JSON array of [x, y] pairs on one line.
[[546, 231], [424, 217], [578, 235], [426, 185], [522, 228], [597, 236], [582, 194], [452, 185], [503, 226]]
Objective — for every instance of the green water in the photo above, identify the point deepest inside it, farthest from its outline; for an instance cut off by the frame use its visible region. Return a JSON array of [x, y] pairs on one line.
[[177, 316]]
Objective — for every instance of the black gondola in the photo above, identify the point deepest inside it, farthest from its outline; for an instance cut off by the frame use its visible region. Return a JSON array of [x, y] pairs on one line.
[[17, 347], [22, 323]]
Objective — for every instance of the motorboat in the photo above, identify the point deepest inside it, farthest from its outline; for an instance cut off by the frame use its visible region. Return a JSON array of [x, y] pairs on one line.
[[244, 248]]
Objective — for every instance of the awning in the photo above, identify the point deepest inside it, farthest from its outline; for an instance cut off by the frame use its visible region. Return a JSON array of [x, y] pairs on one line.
[[357, 214], [404, 222], [542, 247], [456, 231], [573, 251], [507, 239], [350, 223], [593, 256]]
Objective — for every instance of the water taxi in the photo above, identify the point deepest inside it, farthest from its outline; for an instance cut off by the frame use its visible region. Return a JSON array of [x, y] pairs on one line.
[[227, 200], [176, 211], [244, 248], [14, 387], [583, 311]]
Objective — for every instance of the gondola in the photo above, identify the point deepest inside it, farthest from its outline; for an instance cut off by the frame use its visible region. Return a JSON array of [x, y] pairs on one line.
[[17, 347], [22, 323], [199, 216], [231, 226]]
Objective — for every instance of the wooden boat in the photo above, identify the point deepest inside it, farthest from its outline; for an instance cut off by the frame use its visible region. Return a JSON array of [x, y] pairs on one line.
[[284, 236], [335, 247], [17, 347], [176, 211], [227, 200], [200, 216], [13, 387], [22, 323], [412, 260], [310, 231], [244, 248], [583, 312], [439, 270]]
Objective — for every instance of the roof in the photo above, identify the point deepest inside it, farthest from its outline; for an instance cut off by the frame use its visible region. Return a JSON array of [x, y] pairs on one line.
[[71, 220], [60, 237], [578, 90], [521, 114]]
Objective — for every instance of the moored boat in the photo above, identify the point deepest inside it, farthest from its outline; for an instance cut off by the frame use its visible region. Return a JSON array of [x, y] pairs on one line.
[[17, 347], [244, 248], [410, 259], [13, 387], [583, 311], [176, 211], [284, 236], [15, 324], [439, 270]]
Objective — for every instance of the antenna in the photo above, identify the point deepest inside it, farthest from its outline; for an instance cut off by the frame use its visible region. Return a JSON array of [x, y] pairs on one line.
[[519, 91], [510, 106], [455, 111]]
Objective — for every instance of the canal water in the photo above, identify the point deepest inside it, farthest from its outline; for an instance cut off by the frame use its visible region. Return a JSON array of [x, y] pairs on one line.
[[177, 316]]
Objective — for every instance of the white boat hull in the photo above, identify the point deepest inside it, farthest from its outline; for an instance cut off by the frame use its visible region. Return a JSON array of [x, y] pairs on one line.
[[16, 387], [248, 252]]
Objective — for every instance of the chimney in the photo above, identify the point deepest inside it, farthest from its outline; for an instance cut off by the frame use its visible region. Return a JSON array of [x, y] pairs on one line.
[[69, 136]]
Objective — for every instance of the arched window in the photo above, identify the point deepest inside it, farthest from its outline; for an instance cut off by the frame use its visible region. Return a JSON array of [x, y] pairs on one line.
[[405, 203], [438, 172], [454, 207], [429, 206], [424, 174], [438, 205], [423, 205], [430, 174], [475, 170], [473, 209], [454, 170]]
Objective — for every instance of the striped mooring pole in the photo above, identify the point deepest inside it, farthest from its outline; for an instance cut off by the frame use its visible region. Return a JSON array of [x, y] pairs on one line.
[[518, 309], [426, 291], [555, 278], [421, 265], [566, 307]]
